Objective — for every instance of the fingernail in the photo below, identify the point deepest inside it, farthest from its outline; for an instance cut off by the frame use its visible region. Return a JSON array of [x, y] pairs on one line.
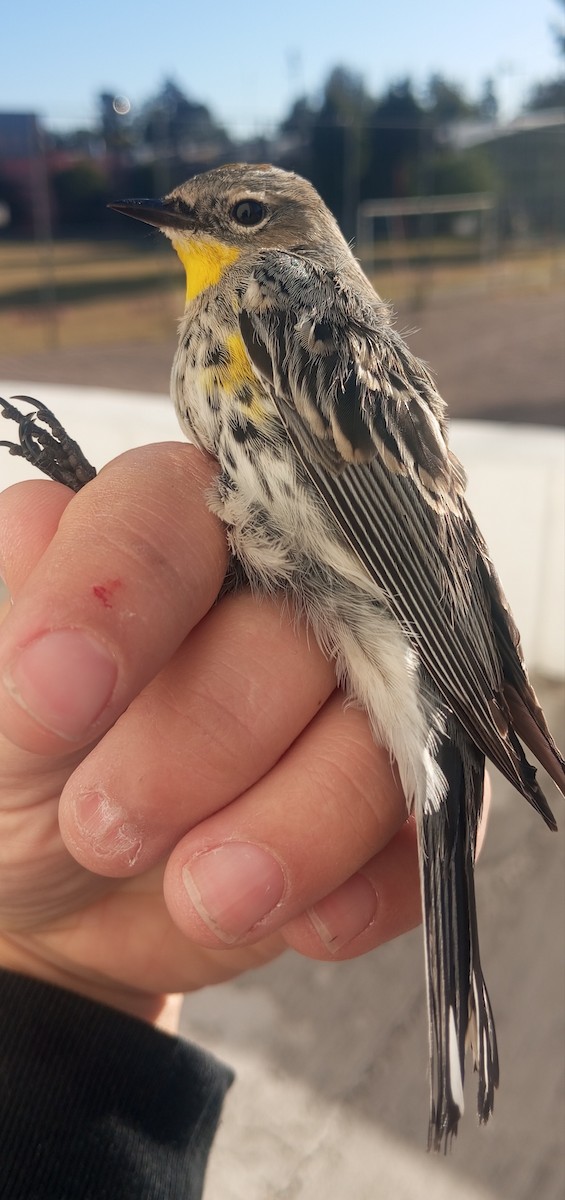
[[233, 887], [341, 917], [106, 827], [64, 679]]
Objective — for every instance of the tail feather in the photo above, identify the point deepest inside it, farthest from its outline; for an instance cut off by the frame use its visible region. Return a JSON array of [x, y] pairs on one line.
[[459, 1007]]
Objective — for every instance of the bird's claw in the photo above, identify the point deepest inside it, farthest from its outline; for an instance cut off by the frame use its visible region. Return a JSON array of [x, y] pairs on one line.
[[45, 444]]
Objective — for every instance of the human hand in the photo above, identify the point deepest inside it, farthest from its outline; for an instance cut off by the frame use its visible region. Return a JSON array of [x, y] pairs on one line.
[[182, 793]]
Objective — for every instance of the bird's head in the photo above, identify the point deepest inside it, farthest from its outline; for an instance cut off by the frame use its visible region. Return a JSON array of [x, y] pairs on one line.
[[219, 216]]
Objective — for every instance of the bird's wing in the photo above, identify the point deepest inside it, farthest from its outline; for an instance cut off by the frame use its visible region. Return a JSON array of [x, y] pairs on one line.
[[342, 376], [367, 423]]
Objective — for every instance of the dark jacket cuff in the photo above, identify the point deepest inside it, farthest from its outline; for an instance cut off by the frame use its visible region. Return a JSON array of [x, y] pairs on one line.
[[95, 1103]]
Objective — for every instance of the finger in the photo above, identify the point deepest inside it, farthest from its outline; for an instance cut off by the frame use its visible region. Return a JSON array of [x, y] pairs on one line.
[[348, 922], [319, 815], [324, 821], [29, 517], [377, 904], [127, 948], [215, 719], [161, 954], [136, 561]]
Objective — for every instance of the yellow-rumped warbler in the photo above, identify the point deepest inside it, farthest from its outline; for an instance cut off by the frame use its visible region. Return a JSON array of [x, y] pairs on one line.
[[337, 485]]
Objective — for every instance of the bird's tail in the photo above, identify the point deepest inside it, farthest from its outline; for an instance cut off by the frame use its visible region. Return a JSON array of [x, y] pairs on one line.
[[459, 1007]]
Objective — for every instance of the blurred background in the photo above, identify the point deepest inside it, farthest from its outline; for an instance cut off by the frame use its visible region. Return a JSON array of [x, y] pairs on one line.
[[436, 133], [436, 137]]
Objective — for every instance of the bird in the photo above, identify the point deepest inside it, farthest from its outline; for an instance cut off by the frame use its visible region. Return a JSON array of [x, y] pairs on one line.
[[338, 490]]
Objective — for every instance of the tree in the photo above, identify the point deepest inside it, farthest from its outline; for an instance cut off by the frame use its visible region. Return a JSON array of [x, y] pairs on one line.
[[559, 32], [399, 140], [174, 125], [114, 126], [551, 93], [446, 101], [547, 95], [81, 194], [300, 119], [452, 173], [339, 144], [294, 141], [178, 136], [488, 101]]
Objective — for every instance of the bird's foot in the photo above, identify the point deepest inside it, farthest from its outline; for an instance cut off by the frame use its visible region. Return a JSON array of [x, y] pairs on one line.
[[45, 444]]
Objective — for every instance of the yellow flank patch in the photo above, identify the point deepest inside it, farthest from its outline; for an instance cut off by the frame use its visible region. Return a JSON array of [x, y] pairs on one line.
[[204, 261], [236, 376], [238, 370]]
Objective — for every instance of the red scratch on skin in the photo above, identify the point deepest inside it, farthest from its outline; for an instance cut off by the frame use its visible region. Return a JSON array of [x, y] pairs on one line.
[[105, 591]]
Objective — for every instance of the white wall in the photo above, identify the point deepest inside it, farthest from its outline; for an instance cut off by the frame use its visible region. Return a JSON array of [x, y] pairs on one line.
[[516, 490], [517, 493]]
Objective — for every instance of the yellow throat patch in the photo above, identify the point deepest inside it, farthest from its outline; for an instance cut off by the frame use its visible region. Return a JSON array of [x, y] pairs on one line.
[[204, 261]]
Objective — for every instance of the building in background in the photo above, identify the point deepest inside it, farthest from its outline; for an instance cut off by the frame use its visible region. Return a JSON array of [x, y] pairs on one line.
[[528, 160]]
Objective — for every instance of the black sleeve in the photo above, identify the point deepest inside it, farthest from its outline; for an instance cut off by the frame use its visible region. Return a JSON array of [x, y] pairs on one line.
[[96, 1105]]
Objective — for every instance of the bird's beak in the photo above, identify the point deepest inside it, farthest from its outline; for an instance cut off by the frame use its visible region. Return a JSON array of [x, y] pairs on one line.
[[162, 213]]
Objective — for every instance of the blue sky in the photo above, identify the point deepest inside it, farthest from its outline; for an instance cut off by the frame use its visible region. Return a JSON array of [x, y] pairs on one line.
[[248, 60]]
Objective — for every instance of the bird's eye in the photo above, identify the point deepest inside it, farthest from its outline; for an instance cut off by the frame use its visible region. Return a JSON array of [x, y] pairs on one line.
[[248, 212]]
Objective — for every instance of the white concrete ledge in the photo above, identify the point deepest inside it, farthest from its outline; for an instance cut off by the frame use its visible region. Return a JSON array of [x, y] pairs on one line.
[[516, 490], [517, 493]]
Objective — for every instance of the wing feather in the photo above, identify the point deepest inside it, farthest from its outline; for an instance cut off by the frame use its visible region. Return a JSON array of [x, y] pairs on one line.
[[342, 364], [368, 426]]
